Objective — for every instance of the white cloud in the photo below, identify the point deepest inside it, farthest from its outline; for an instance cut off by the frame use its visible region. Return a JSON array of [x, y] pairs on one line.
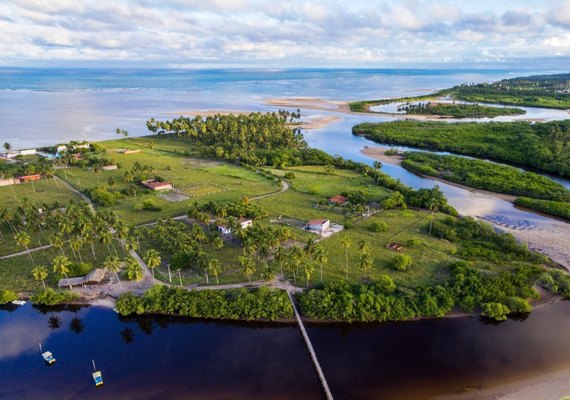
[[297, 32]]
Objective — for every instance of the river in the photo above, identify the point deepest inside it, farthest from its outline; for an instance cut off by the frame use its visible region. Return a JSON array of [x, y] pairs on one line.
[[177, 358]]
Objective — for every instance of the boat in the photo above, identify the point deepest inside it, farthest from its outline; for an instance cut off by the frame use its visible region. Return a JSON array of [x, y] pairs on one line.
[[97, 376], [47, 356], [19, 302]]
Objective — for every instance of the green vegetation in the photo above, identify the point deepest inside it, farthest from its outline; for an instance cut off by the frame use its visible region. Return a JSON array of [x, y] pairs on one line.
[[401, 262], [7, 296], [50, 297], [543, 146], [486, 175], [258, 304], [457, 110], [364, 105], [547, 91], [466, 288], [556, 208]]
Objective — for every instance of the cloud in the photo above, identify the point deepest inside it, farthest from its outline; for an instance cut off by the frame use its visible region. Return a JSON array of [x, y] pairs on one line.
[[292, 33]]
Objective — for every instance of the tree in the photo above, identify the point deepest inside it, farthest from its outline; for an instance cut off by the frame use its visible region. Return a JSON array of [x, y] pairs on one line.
[[40, 273], [309, 271], [321, 258], [23, 239], [214, 268], [365, 261], [346, 243], [329, 169], [401, 262], [310, 246], [247, 265], [113, 265], [57, 242], [122, 132], [60, 266], [496, 311], [152, 259], [76, 243], [134, 270], [7, 147]]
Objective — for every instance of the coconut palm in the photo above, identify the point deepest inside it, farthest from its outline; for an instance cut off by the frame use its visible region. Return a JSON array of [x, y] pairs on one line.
[[152, 259], [346, 243], [131, 244], [200, 258], [105, 237], [309, 271], [60, 266], [113, 265], [23, 239], [40, 273], [76, 243], [214, 268], [310, 246], [366, 261], [247, 265], [134, 270], [57, 242], [320, 257]]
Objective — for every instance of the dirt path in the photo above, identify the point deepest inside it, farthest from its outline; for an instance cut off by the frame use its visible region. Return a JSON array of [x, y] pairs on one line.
[[284, 188]]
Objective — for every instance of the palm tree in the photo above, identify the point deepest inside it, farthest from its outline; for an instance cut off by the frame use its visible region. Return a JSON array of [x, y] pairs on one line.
[[54, 322], [346, 243], [309, 271], [320, 257], [57, 242], [76, 243], [363, 245], [23, 239], [40, 273], [310, 246], [105, 237], [7, 147], [214, 268], [201, 260], [329, 169], [247, 265], [113, 264], [134, 270], [152, 259], [366, 261], [60, 266], [279, 256], [131, 244]]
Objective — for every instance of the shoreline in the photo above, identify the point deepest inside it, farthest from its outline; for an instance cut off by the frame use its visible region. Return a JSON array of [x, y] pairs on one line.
[[313, 122], [377, 152]]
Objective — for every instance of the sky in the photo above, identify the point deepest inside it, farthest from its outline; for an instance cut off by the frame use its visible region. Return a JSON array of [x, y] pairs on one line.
[[327, 33]]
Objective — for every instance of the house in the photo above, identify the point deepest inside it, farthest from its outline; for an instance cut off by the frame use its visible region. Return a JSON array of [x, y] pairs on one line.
[[109, 167], [15, 153], [28, 178], [243, 222], [95, 276], [395, 246], [318, 225], [340, 200], [153, 184], [60, 149], [224, 229], [8, 182]]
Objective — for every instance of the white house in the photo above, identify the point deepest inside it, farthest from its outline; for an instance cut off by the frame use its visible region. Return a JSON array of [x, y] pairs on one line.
[[243, 222], [224, 229], [318, 225]]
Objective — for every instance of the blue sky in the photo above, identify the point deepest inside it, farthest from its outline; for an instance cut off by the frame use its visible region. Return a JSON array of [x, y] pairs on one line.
[[355, 33]]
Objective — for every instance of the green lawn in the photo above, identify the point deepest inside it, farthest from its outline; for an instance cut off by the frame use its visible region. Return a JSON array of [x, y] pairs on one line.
[[200, 180], [45, 190]]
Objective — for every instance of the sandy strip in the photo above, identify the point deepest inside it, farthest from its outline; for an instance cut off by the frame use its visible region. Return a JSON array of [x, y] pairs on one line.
[[551, 386], [209, 113], [378, 154], [312, 103], [319, 122]]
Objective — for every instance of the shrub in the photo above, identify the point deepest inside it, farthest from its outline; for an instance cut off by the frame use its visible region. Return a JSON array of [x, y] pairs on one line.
[[378, 226], [290, 175], [519, 305], [401, 262], [391, 152], [7, 296], [150, 205], [50, 297], [79, 269], [496, 311]]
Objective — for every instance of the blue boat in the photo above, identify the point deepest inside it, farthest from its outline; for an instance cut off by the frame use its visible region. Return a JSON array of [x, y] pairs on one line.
[[97, 376]]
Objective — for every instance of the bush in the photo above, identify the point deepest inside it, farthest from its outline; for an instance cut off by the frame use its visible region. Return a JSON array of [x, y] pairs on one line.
[[79, 269], [290, 175], [50, 297], [103, 197], [496, 311], [401, 262], [391, 152], [150, 205], [7, 296], [378, 226], [518, 305]]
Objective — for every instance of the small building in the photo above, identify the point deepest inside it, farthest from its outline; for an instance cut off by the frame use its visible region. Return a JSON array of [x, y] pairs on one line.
[[153, 184], [94, 276], [8, 182], [245, 223], [16, 153], [395, 247], [318, 225], [340, 200], [128, 151], [109, 167], [28, 178], [224, 229], [71, 281], [60, 149]]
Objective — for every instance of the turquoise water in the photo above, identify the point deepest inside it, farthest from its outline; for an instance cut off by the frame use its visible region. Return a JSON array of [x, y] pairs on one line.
[[43, 106]]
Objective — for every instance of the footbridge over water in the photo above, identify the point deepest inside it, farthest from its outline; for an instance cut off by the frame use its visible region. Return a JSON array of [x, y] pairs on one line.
[[311, 350]]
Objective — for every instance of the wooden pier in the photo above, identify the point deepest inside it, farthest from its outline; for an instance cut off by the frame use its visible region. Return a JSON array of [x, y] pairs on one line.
[[311, 350]]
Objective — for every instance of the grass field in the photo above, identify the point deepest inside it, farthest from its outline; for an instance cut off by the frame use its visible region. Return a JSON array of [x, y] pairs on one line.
[[45, 190], [199, 180]]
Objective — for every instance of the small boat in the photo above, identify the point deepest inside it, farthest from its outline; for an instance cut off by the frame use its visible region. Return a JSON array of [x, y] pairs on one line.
[[47, 356], [19, 302], [97, 376]]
